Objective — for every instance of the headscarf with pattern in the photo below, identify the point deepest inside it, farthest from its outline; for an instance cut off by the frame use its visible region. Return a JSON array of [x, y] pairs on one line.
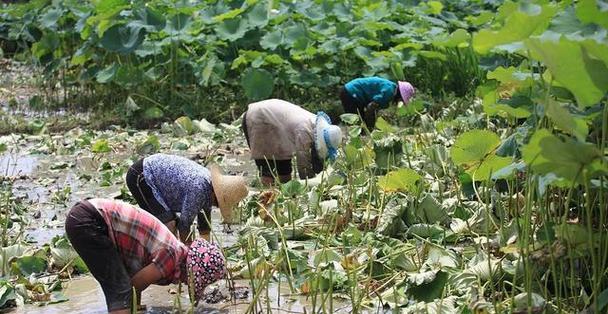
[[205, 265]]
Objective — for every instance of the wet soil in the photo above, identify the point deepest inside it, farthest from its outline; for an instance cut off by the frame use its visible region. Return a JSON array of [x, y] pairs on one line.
[[50, 173]]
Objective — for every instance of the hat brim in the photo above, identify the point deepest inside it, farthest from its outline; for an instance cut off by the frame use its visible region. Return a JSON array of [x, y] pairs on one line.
[[217, 184], [406, 90], [229, 190]]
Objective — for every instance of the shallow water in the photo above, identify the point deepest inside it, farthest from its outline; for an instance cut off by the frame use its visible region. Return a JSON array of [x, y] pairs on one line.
[[85, 296], [39, 178], [17, 164]]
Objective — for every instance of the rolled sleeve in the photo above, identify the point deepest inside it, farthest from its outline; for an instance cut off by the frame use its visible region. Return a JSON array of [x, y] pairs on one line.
[[164, 260]]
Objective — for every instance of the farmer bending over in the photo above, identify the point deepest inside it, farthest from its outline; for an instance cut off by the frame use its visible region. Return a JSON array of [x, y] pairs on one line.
[[167, 185], [125, 247], [366, 95], [276, 130]]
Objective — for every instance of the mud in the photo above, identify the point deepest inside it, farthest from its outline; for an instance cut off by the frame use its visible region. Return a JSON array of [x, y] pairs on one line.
[[50, 182]]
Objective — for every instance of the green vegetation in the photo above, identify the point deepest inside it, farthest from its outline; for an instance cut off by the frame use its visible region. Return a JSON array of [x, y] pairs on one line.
[[486, 195], [148, 59]]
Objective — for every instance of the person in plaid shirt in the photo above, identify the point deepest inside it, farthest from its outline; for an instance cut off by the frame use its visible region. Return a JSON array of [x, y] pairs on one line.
[[127, 248]]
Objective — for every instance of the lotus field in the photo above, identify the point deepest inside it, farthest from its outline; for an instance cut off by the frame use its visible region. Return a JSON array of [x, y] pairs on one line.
[[486, 193]]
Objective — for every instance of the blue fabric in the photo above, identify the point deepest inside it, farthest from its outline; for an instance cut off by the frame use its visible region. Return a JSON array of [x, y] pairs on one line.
[[367, 89], [180, 185], [331, 151]]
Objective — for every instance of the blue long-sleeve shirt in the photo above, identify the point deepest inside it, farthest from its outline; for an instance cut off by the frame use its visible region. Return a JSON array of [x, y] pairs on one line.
[[367, 89], [180, 185]]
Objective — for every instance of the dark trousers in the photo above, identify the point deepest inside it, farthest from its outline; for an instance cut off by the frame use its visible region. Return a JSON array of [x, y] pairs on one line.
[[88, 233], [142, 193], [267, 167], [351, 106]]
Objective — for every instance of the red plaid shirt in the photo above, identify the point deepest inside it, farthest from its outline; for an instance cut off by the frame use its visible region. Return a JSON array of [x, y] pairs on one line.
[[142, 239]]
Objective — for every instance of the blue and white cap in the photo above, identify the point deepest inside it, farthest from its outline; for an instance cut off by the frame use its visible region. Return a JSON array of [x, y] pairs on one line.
[[328, 137]]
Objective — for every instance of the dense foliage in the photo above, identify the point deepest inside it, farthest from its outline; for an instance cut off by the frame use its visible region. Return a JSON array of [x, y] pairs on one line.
[[497, 204], [151, 58]]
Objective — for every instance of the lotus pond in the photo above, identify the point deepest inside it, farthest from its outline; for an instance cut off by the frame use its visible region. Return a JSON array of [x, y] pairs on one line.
[[486, 194]]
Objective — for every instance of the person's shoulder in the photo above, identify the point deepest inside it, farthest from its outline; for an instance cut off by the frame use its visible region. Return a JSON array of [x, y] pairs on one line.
[[368, 80], [378, 79]]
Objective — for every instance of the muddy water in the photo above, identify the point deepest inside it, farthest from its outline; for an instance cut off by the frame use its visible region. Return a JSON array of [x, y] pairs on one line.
[[86, 297], [39, 178]]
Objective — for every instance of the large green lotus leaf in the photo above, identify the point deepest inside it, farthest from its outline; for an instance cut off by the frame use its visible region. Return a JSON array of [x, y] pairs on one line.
[[474, 151], [511, 77], [342, 12], [459, 38], [178, 24], [107, 74], [390, 222], [433, 55], [47, 44], [8, 253], [430, 211], [62, 256], [229, 15], [546, 153], [105, 11], [50, 17], [528, 20], [575, 235], [150, 19], [296, 36], [596, 49], [27, 265], [149, 48], [402, 180], [257, 83], [109, 7], [593, 11], [358, 158], [258, 16], [572, 67], [150, 146], [272, 40], [490, 165], [123, 38], [212, 69], [567, 122], [426, 231], [504, 109], [566, 22], [153, 113], [517, 106], [474, 146], [232, 29], [431, 288], [7, 293]]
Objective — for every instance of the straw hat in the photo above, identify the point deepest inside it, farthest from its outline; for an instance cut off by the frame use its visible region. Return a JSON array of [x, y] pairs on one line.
[[327, 138], [406, 90], [229, 190]]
